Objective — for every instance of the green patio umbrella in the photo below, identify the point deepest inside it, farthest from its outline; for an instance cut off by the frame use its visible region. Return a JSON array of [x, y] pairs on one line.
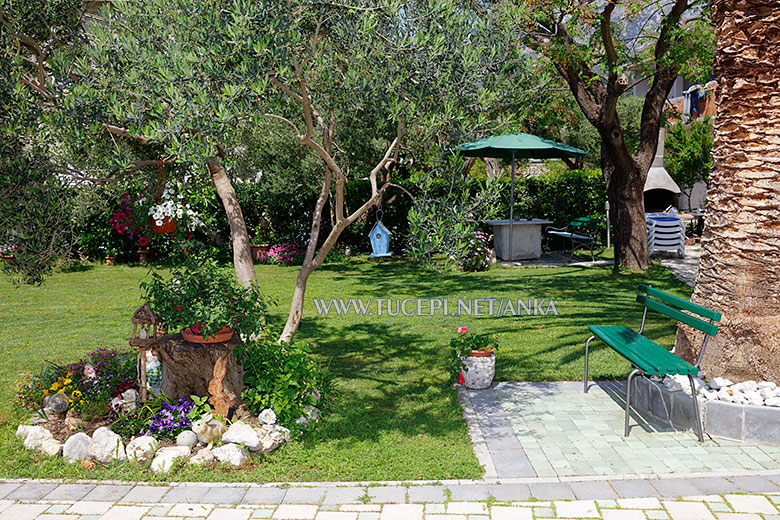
[[518, 146]]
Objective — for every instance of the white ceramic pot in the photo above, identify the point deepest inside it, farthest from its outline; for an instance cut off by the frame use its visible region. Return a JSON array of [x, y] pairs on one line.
[[479, 371]]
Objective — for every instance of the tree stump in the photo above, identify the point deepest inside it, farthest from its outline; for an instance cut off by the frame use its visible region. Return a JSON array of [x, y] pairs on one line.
[[201, 369]]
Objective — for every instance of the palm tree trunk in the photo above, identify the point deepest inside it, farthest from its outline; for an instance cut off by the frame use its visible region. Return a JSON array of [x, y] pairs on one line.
[[739, 270]]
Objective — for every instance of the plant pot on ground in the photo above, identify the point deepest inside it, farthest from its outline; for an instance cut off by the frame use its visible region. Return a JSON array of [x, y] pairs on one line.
[[473, 359], [259, 251]]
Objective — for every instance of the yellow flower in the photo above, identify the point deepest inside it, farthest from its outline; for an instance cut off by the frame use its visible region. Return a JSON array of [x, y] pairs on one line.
[[76, 394], [46, 393], [67, 382], [82, 402]]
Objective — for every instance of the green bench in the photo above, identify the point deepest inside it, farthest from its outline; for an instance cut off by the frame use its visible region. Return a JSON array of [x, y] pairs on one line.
[[581, 232], [647, 357]]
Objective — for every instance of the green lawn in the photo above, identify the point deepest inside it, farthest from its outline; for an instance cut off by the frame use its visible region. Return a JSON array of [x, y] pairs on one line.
[[391, 419]]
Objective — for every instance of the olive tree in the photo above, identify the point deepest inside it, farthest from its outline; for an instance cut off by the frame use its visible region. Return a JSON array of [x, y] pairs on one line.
[[182, 76]]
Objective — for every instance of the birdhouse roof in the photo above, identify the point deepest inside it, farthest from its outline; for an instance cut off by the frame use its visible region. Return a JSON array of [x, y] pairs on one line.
[[380, 226], [144, 314]]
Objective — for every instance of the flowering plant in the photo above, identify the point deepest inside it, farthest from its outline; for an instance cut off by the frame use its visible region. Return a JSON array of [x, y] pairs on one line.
[[89, 383], [171, 205], [290, 253], [473, 252], [124, 221], [201, 295], [462, 345]]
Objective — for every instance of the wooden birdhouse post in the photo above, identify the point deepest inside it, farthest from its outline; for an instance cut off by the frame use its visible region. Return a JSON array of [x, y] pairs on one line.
[[144, 338]]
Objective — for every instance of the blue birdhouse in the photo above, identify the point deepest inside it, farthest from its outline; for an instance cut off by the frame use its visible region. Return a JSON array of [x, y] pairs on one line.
[[380, 240]]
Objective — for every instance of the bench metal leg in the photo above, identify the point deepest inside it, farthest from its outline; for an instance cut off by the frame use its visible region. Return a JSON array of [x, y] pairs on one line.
[[585, 379], [696, 417], [633, 373]]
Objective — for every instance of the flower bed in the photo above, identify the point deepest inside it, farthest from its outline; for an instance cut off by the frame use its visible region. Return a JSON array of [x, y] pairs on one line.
[[90, 411]]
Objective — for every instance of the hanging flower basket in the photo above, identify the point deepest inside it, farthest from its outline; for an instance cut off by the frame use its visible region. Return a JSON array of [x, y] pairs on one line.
[[167, 225], [192, 335]]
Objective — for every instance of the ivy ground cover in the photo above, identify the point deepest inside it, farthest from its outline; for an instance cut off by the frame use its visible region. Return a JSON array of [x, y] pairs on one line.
[[392, 419]]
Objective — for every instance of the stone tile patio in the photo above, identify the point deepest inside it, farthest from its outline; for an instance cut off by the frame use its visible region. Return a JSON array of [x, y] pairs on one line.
[[555, 430]]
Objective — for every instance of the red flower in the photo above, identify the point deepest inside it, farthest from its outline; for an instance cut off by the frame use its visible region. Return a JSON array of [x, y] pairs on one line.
[[120, 228], [143, 242], [460, 378]]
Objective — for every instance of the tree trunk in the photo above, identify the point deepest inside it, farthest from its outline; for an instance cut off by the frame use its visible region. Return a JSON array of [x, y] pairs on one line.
[[739, 270], [625, 191], [239, 238]]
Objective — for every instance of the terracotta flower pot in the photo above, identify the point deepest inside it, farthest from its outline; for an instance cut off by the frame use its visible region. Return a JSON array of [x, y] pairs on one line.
[[7, 257], [110, 260], [143, 254], [223, 334], [259, 251], [168, 226], [481, 353]]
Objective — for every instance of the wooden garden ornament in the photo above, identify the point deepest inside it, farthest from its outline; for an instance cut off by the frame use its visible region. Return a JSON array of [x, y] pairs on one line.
[[145, 326]]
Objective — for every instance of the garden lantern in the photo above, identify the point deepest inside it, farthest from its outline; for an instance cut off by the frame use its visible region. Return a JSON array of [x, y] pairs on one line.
[[144, 338]]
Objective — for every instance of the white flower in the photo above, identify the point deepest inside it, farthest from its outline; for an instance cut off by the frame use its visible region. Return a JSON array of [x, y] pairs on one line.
[[158, 222], [267, 416]]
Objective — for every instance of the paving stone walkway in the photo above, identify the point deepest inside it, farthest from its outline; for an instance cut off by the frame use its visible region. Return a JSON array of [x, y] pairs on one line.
[[740, 498], [556, 430], [685, 268]]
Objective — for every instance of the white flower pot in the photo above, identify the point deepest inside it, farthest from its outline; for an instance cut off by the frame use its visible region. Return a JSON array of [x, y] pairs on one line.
[[479, 371]]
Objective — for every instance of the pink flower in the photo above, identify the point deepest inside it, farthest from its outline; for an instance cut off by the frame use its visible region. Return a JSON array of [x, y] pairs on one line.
[[463, 330], [89, 371], [178, 308]]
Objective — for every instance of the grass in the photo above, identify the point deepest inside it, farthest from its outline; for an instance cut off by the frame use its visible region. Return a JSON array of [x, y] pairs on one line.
[[391, 420]]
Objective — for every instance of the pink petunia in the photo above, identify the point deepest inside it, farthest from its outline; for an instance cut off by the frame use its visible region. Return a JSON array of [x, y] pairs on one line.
[[463, 330]]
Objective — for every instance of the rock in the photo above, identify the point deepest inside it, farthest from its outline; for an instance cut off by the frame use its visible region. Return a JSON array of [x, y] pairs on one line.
[[726, 395], [302, 420], [672, 384], [267, 416], [57, 403], [51, 447], [315, 393], [142, 449], [716, 383], [35, 437], [766, 393], [76, 447], [187, 438], [271, 437], [73, 422], [312, 413], [750, 385], [754, 398], [22, 430], [106, 446], [36, 419], [232, 454], [208, 429], [709, 395], [243, 434], [767, 385], [165, 457], [204, 456], [773, 401]]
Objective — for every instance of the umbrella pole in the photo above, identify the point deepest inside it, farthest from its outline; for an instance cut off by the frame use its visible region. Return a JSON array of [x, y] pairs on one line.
[[511, 206]]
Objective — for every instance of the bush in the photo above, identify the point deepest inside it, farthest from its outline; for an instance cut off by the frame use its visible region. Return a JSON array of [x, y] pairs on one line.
[[283, 378]]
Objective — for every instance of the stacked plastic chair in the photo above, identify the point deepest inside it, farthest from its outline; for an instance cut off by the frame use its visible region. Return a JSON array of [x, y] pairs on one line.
[[665, 232]]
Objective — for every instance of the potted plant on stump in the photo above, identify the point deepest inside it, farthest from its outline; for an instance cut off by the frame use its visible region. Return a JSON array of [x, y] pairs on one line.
[[205, 302], [473, 359]]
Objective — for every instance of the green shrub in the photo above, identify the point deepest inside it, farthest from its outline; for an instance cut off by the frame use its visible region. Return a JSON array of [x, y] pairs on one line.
[[284, 378]]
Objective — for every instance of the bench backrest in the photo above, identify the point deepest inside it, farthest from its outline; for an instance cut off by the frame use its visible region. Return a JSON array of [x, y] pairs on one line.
[[657, 300], [584, 224]]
